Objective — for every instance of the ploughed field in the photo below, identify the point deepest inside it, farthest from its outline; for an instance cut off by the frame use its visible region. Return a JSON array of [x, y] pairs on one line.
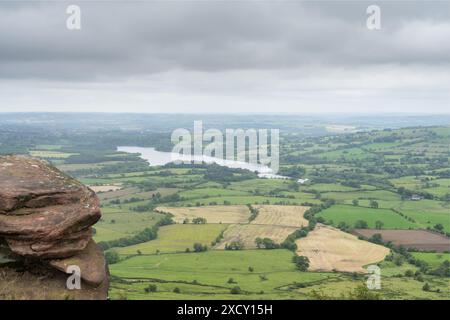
[[411, 239]]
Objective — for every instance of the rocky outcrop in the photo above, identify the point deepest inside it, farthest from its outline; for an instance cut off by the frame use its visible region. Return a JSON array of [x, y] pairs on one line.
[[45, 228]]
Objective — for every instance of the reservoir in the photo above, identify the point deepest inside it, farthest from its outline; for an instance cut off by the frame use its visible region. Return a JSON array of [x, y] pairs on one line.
[[160, 158]]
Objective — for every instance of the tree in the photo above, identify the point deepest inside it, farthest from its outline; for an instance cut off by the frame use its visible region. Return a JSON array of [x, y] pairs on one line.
[[198, 247], [234, 245], [199, 220], [151, 288], [438, 227], [379, 224], [236, 290], [301, 262], [373, 204], [176, 290], [266, 243], [398, 260], [231, 280], [259, 242], [426, 287], [409, 273], [376, 238], [112, 257], [355, 202], [361, 224]]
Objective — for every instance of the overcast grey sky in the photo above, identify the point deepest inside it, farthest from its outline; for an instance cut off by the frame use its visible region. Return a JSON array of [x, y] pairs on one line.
[[235, 56]]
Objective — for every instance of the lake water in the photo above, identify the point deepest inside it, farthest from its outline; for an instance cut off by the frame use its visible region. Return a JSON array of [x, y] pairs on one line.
[[160, 158]]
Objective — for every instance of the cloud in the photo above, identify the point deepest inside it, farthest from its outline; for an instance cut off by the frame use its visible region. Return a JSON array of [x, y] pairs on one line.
[[239, 50]]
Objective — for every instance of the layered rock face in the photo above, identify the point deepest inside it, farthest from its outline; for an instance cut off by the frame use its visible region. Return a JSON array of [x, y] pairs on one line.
[[45, 228]]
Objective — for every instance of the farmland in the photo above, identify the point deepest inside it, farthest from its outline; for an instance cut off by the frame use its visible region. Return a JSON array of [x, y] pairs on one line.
[[351, 214], [331, 249], [247, 234], [177, 238], [365, 181], [212, 214], [414, 239], [288, 216]]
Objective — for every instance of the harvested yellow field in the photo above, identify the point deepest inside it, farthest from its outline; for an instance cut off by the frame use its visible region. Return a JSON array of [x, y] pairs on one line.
[[331, 249], [212, 214], [287, 216], [106, 188], [247, 233]]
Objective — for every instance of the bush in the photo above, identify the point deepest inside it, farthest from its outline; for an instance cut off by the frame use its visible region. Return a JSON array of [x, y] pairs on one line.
[[361, 224], [234, 245], [236, 290], [151, 288], [231, 280], [112, 257], [301, 262], [198, 247]]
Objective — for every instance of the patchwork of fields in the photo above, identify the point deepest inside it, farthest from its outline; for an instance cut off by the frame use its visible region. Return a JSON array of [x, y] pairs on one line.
[[394, 183]]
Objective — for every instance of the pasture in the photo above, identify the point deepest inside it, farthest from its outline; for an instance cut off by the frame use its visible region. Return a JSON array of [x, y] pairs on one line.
[[432, 258], [351, 214], [177, 238], [116, 223], [209, 273]]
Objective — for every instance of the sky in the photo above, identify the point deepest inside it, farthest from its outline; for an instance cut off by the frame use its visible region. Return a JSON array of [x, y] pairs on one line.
[[225, 56]]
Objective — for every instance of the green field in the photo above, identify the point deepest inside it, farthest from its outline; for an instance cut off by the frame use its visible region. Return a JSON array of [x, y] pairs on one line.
[[351, 214], [212, 270], [117, 223], [176, 238], [433, 259], [427, 213]]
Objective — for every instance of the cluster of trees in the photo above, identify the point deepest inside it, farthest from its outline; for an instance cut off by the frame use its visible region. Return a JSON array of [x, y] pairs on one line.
[[295, 172], [266, 243], [199, 220], [218, 238], [217, 173], [301, 262], [253, 212], [198, 247], [157, 199], [235, 245]]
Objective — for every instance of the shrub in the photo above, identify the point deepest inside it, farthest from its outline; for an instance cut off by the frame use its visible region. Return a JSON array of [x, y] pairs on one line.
[[236, 290]]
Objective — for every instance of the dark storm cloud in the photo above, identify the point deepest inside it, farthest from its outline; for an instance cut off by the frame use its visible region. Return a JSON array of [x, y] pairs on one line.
[[144, 38]]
